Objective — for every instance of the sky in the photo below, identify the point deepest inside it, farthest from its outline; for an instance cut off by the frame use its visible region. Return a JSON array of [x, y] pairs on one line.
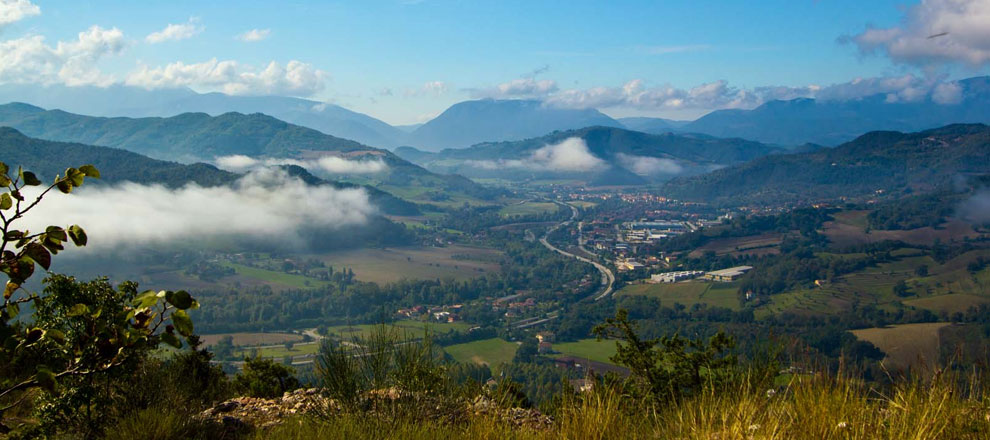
[[405, 61]]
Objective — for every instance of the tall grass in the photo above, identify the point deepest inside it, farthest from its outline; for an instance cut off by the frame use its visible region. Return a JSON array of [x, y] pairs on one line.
[[809, 407]]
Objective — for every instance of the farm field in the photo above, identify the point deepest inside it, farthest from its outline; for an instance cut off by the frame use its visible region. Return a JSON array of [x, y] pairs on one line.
[[688, 293], [489, 352], [252, 338], [279, 351], [763, 244], [591, 349], [849, 229], [906, 345], [412, 329], [394, 264], [274, 277], [528, 208]]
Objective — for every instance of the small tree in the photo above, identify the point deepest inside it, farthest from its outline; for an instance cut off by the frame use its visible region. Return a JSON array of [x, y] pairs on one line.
[[79, 330], [672, 366], [265, 378]]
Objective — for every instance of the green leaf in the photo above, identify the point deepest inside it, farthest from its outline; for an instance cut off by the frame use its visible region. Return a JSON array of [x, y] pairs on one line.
[[56, 232], [78, 310], [181, 299], [64, 185], [75, 176], [78, 235], [90, 171], [9, 289], [13, 309], [4, 180], [172, 340], [4, 168], [5, 201], [182, 322], [56, 335], [45, 378], [39, 254], [30, 179], [146, 299], [34, 335]]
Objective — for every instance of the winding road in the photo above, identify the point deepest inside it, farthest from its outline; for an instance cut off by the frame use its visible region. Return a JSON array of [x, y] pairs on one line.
[[608, 278]]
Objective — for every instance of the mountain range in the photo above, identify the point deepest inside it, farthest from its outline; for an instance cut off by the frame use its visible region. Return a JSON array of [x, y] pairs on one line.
[[880, 162], [192, 137], [602, 155]]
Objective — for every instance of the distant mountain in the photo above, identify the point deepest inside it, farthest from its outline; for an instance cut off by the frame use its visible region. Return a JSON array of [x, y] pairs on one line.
[[801, 121], [487, 120], [604, 155], [652, 125], [194, 137], [121, 100], [882, 161], [48, 158]]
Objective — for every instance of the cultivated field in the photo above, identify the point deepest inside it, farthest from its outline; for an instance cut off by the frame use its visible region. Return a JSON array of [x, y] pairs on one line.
[[763, 244], [688, 293], [592, 349], [528, 208], [849, 229], [412, 329], [906, 345], [252, 339], [489, 352], [394, 264]]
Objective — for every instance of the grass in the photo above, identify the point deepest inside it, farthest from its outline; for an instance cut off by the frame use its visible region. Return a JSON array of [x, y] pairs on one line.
[[489, 352], [906, 345], [528, 208], [279, 351], [271, 276], [394, 264], [252, 338], [688, 293], [413, 328], [807, 408], [591, 349]]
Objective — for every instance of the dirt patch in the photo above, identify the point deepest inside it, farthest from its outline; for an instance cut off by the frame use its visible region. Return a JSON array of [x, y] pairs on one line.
[[763, 244], [843, 234], [907, 345]]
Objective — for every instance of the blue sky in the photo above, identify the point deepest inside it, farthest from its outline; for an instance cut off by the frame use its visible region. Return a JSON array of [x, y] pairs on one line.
[[404, 61]]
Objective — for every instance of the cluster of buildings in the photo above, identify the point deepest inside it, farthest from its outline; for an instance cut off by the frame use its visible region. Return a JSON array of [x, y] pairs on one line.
[[651, 231], [674, 277], [436, 313], [726, 275], [722, 276]]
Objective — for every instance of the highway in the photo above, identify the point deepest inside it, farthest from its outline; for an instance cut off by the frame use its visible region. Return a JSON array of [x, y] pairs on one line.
[[608, 278]]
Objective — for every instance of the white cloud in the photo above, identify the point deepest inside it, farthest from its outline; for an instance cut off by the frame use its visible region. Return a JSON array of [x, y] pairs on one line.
[[329, 164], [947, 93], [30, 60], [570, 155], [254, 35], [933, 32], [295, 78], [12, 11], [429, 88], [263, 204], [175, 32], [649, 166], [518, 88]]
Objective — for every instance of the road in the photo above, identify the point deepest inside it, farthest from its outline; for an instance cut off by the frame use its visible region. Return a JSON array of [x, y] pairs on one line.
[[608, 278]]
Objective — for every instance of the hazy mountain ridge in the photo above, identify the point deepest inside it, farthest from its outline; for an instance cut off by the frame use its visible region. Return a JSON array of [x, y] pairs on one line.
[[833, 122], [877, 161], [627, 157]]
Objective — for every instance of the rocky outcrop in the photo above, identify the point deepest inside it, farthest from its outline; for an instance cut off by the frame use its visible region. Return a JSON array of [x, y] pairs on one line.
[[255, 412]]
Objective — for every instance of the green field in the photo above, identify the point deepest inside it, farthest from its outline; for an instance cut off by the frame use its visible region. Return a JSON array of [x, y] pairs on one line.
[[271, 276], [412, 329], [591, 349], [688, 293], [528, 208], [489, 352], [906, 345], [251, 338], [279, 351], [394, 264]]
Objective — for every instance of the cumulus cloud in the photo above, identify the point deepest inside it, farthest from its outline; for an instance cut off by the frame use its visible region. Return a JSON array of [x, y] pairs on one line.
[[518, 88], [254, 35], [175, 32], [30, 60], [262, 204], [933, 32], [330, 164], [429, 88], [570, 155], [649, 166], [12, 11], [295, 78]]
